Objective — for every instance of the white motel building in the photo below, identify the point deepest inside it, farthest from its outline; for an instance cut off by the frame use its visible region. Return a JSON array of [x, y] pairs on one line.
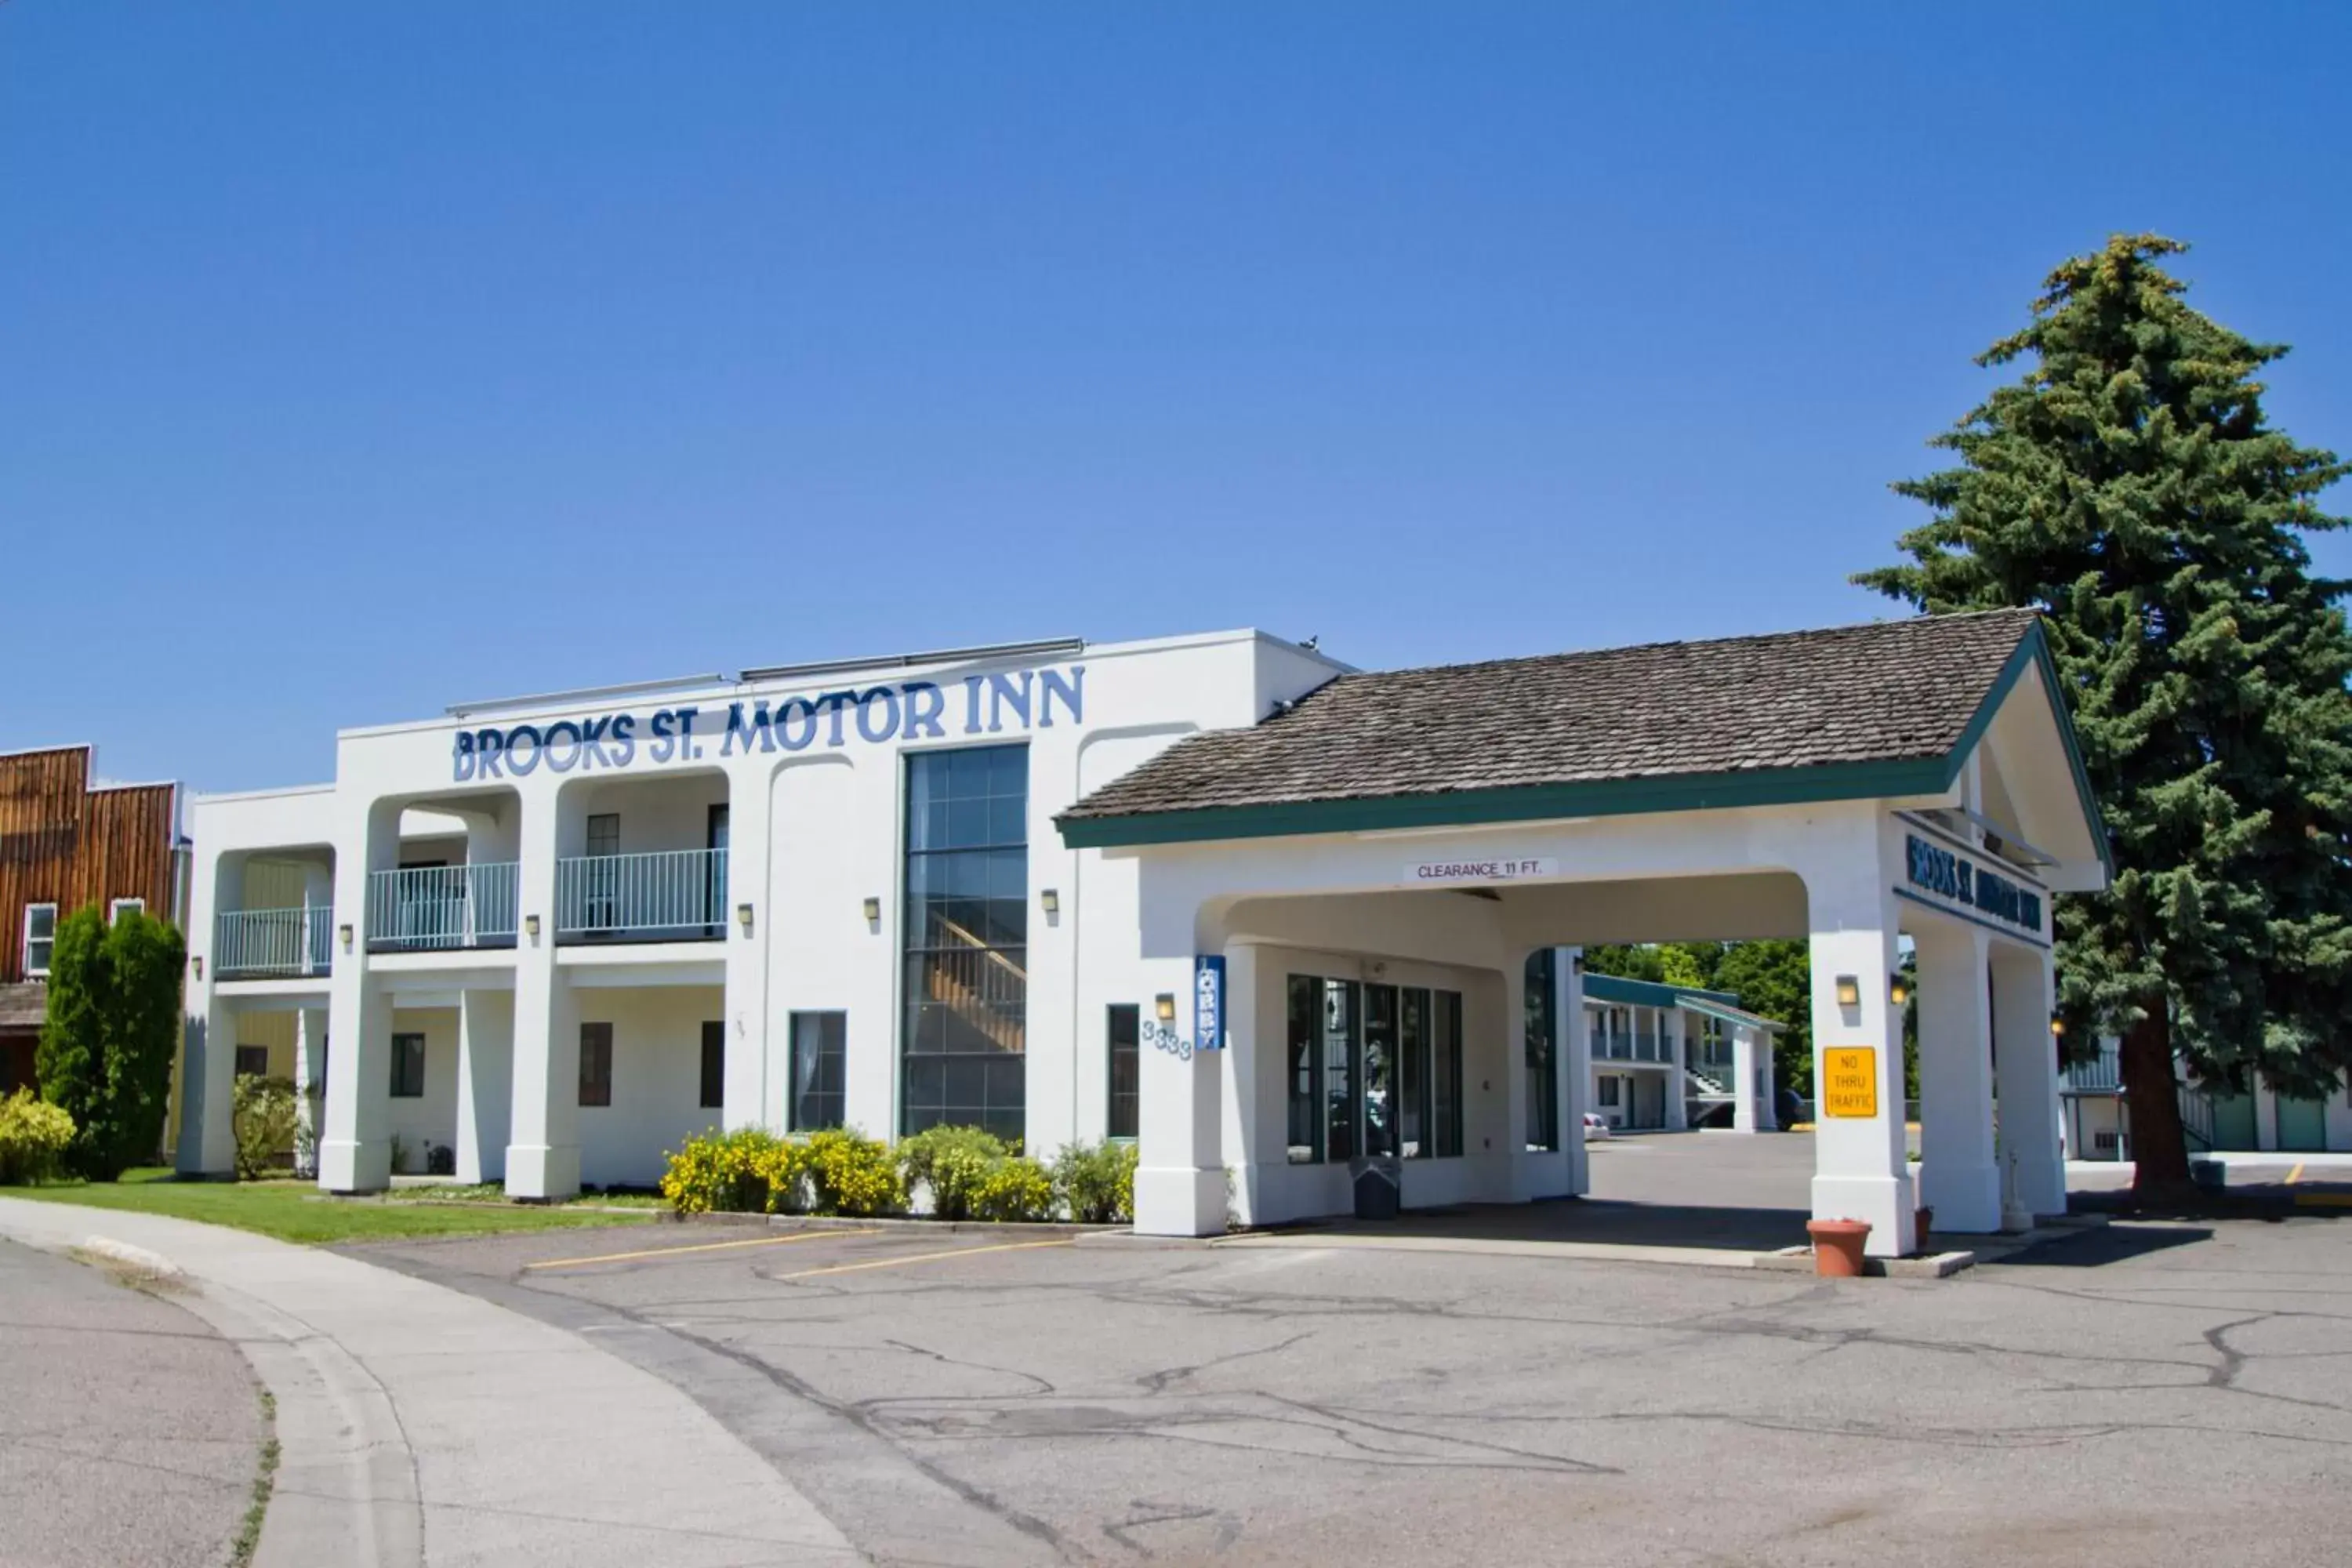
[[1267, 915]]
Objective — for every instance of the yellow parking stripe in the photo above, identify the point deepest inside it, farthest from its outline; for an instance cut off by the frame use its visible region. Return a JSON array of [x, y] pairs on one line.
[[926, 1257], [2296, 1175], [701, 1246]]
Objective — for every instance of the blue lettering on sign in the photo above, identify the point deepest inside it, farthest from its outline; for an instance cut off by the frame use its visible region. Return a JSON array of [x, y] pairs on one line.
[[911, 711], [1209, 1002], [1939, 870]]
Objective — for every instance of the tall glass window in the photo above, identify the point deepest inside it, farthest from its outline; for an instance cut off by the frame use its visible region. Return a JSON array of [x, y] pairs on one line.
[[1340, 1000], [1413, 1074], [1379, 1069], [967, 939], [1543, 1066], [820, 1068], [1445, 1073], [1126, 1031], [1306, 1069]]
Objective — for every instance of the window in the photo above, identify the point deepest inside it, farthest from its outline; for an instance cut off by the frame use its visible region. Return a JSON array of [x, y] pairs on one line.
[[115, 911], [1543, 1069], [604, 834], [1126, 1065], [967, 924], [820, 1071], [408, 1067], [40, 938], [253, 1061], [1373, 1070], [714, 1064], [596, 1064], [1609, 1086]]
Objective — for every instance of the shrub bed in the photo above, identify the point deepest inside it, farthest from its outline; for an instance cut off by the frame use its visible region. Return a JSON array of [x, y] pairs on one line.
[[964, 1171]]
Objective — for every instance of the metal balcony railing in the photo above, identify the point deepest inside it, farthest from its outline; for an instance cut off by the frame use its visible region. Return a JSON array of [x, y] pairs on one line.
[[666, 896], [273, 944], [431, 907]]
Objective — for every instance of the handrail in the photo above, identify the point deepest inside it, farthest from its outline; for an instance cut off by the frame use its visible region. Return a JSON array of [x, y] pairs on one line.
[[249, 944], [660, 893], [442, 907]]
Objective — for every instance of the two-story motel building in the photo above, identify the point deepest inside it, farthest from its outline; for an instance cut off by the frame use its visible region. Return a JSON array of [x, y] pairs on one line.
[[1267, 914]]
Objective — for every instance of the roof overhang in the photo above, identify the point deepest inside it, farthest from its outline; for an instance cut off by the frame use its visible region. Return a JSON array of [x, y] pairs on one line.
[[1730, 790]]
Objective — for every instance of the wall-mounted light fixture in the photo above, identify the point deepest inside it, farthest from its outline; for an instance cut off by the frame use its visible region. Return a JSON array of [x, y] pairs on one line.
[[744, 917], [1897, 991], [345, 934], [1164, 1005], [2057, 1025], [873, 912], [1849, 991], [1050, 900], [531, 927], [199, 961]]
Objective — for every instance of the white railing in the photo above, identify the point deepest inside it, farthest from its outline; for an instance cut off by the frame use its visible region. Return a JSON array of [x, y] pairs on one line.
[[255, 944], [434, 906], [663, 896]]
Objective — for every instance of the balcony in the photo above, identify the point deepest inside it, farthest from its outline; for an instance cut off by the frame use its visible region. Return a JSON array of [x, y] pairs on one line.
[[677, 895], [273, 944], [431, 909]]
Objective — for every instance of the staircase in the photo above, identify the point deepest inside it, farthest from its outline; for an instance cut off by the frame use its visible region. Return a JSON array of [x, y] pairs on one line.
[[2197, 1119]]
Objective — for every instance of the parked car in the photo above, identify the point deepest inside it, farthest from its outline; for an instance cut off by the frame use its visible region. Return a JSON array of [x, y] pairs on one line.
[[1595, 1127]]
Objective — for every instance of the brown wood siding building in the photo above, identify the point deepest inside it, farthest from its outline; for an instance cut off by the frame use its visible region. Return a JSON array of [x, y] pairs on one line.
[[64, 843]]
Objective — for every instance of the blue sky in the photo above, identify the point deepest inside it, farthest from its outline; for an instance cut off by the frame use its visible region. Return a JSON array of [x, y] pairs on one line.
[[358, 358]]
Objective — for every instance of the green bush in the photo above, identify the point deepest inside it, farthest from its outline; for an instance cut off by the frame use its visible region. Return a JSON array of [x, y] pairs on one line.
[[852, 1174], [1014, 1190], [1096, 1182], [111, 1029], [953, 1163], [262, 1118], [34, 1138]]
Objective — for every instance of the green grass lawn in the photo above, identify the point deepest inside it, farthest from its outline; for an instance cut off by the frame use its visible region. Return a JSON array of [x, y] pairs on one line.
[[296, 1211]]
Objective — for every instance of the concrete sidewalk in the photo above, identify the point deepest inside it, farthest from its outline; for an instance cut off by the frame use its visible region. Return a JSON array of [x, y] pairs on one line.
[[424, 1426]]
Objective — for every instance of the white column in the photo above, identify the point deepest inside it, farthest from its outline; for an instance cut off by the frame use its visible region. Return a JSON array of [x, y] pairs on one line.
[[756, 1066], [2266, 1114], [309, 1080], [1180, 1177], [355, 1147], [543, 1145], [1677, 1089], [1957, 1177], [1860, 1168], [1574, 1054], [207, 1145], [2025, 1064], [485, 1083], [1765, 1075], [1508, 1177], [1743, 1078], [1243, 1115]]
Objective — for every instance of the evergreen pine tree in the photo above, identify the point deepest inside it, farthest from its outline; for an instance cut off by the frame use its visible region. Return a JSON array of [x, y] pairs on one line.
[[2128, 487]]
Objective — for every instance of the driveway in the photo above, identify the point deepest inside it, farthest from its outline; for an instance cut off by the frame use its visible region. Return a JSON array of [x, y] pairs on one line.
[[2145, 1394], [129, 1429]]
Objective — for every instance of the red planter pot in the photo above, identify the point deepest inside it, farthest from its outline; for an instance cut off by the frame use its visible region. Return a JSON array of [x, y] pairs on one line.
[[1837, 1246]]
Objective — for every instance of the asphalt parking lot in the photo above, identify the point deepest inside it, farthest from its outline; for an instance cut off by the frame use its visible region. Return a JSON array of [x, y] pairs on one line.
[[2147, 1393]]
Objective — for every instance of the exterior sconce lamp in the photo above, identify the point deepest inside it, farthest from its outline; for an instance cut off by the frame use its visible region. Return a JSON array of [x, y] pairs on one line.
[[2057, 1025], [1849, 991], [1896, 991], [744, 917], [873, 912], [1164, 1005], [344, 932], [1050, 900], [531, 927]]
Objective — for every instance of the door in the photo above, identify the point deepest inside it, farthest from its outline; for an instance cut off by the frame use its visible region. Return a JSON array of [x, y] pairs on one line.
[[600, 876], [2233, 1122], [2302, 1125], [714, 878]]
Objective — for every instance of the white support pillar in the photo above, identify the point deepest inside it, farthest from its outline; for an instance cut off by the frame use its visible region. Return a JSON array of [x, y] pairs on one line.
[[1503, 1153], [1957, 1177], [1674, 1021], [207, 1144], [543, 1146], [1574, 1053], [310, 1083], [1180, 1177], [1240, 1113], [758, 1062], [1860, 1165], [1766, 1077], [2025, 1060], [1743, 1078], [355, 1153], [485, 1083]]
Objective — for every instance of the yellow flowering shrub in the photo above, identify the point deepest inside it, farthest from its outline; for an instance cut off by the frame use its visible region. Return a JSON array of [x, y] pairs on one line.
[[852, 1174], [1014, 1190]]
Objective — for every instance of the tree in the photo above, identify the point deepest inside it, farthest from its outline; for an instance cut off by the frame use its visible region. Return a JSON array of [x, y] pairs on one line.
[[108, 1035], [2129, 485]]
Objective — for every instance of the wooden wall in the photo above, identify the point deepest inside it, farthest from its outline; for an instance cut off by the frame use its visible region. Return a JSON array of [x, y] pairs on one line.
[[62, 842]]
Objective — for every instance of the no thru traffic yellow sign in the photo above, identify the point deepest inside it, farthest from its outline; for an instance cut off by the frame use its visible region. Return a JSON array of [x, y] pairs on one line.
[[1850, 1081]]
